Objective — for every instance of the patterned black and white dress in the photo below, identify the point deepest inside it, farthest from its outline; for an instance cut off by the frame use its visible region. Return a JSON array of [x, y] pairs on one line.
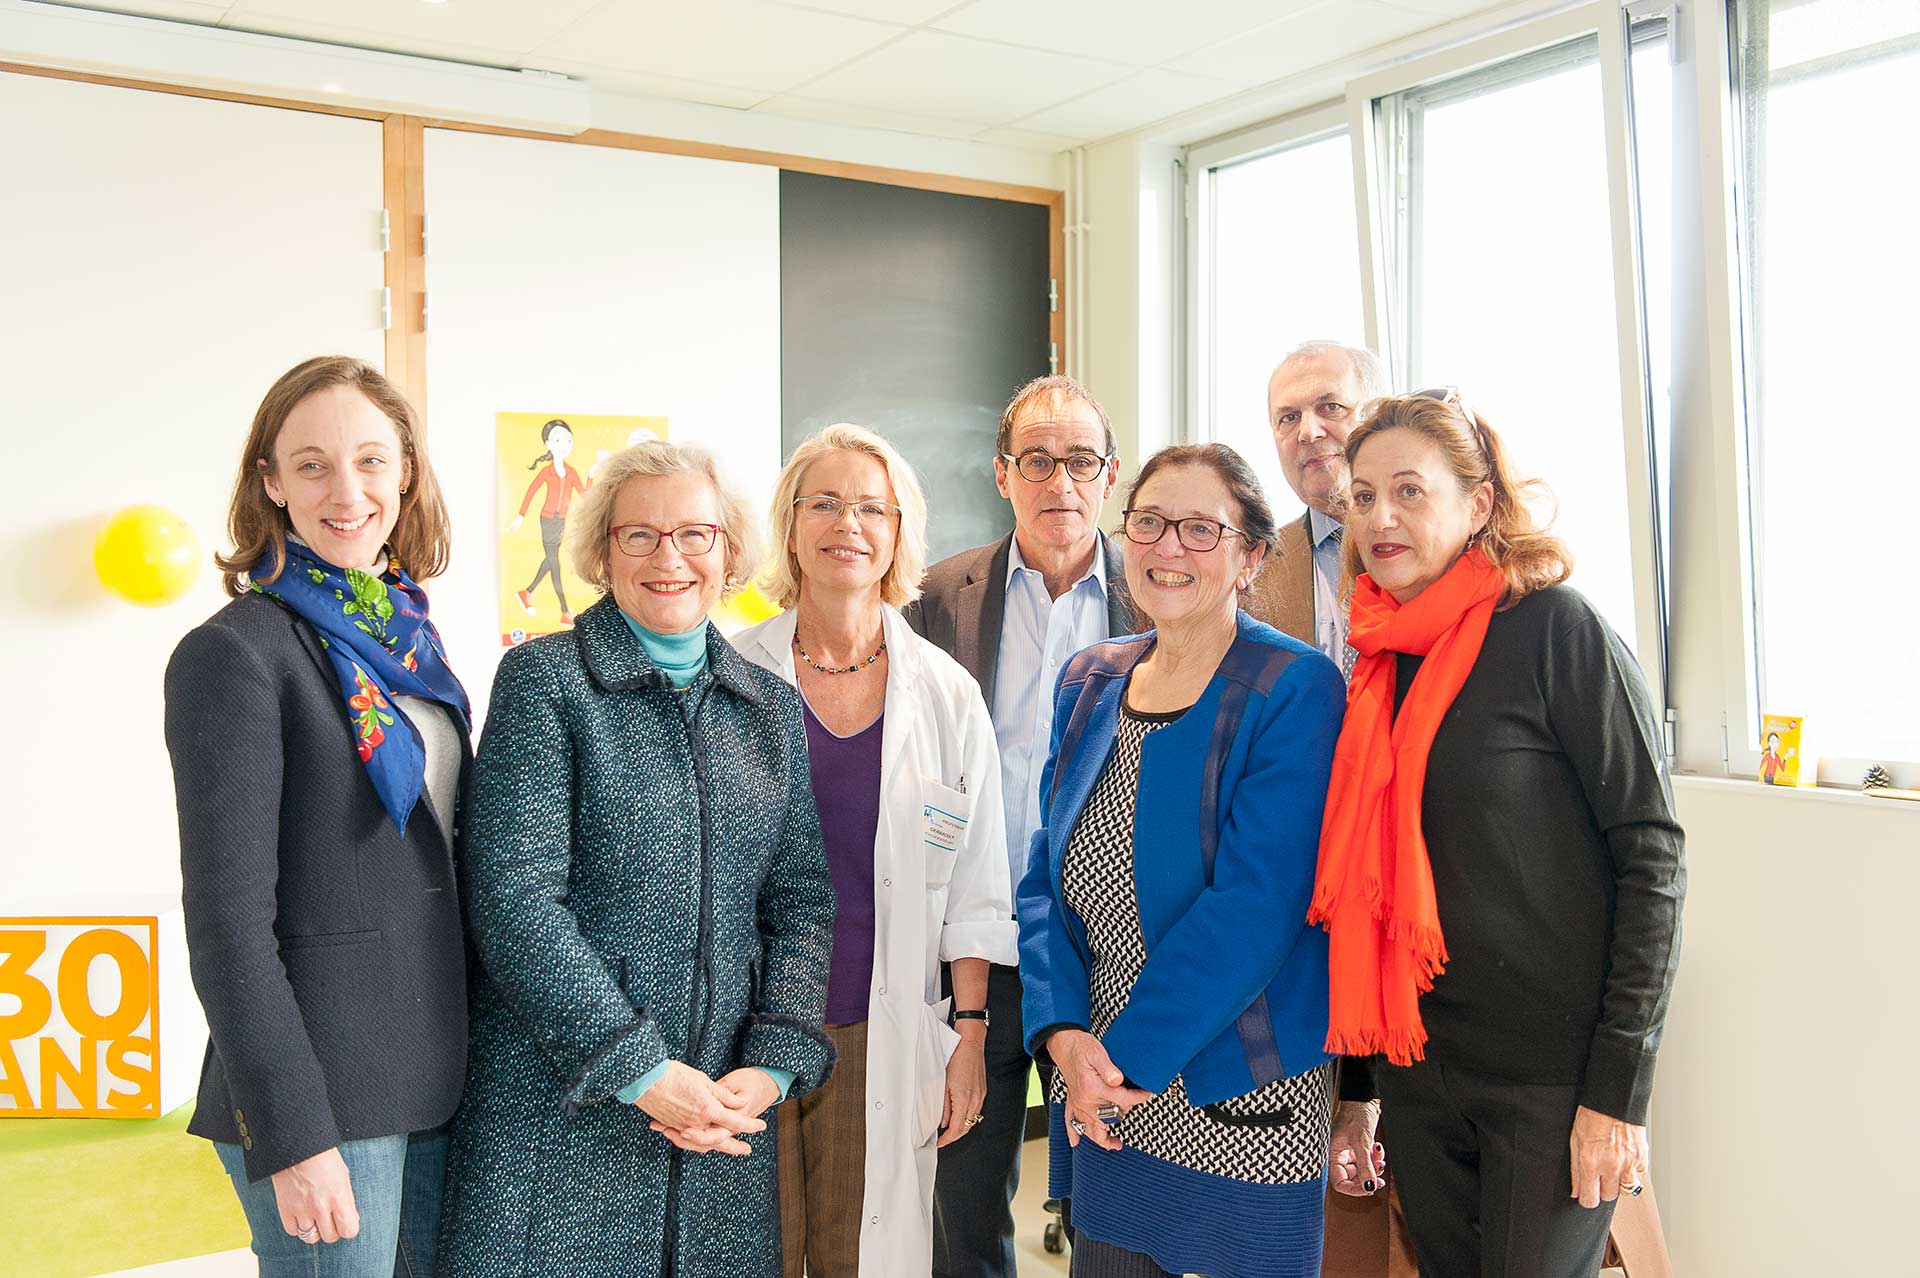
[[1275, 1135]]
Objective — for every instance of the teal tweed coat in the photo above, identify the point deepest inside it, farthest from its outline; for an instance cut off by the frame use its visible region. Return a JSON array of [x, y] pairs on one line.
[[644, 880]]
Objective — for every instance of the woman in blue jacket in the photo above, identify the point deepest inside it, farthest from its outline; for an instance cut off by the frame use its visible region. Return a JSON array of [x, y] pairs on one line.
[[1167, 966]]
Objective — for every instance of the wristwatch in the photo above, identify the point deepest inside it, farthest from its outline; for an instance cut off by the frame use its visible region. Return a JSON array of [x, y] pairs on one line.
[[977, 1014]]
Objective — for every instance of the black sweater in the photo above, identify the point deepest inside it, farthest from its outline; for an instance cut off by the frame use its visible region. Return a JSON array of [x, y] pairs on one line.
[[1557, 861]]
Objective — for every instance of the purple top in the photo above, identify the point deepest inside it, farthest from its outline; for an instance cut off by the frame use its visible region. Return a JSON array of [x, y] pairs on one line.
[[846, 789]]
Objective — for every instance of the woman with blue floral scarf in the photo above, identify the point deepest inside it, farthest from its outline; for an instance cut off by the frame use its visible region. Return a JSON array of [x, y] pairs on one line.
[[319, 739]]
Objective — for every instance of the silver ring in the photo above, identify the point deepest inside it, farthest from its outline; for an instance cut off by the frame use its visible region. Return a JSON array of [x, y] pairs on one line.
[[310, 1234], [1079, 1128], [1635, 1189], [1107, 1113]]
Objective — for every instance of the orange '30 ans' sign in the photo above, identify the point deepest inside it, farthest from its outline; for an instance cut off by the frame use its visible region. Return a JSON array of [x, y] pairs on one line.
[[79, 1018]]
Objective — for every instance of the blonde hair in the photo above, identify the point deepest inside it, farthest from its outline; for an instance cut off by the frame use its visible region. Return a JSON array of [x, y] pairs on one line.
[[422, 534], [592, 523], [901, 584], [1527, 554]]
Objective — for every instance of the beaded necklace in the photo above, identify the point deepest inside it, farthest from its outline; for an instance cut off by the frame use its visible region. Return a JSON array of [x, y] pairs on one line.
[[838, 670]]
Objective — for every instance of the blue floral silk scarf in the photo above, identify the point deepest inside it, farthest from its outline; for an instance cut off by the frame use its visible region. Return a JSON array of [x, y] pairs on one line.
[[377, 635]]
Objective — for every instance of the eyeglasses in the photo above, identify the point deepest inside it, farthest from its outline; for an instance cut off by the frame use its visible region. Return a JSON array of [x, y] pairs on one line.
[[823, 506], [1037, 467], [641, 541], [1146, 528]]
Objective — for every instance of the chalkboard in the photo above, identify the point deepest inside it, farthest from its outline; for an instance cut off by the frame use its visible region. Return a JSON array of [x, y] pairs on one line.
[[918, 314]]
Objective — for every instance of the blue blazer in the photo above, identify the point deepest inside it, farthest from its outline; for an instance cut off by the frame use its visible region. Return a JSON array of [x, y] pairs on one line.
[[1226, 838]]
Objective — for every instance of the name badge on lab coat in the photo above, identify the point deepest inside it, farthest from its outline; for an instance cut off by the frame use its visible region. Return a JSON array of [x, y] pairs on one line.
[[944, 817]]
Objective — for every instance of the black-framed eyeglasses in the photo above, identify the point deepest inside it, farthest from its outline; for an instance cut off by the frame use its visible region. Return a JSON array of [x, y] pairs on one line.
[[1195, 532], [1037, 467], [641, 541], [826, 506]]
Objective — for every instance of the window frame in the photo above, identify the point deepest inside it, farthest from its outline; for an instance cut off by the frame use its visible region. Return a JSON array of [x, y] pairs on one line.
[[1199, 163], [1698, 630], [1377, 139]]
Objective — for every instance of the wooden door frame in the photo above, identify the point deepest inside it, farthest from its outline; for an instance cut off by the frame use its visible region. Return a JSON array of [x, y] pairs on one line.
[[403, 173]]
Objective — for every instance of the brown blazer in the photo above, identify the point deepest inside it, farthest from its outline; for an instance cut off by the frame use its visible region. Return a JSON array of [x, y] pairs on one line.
[[1282, 595]]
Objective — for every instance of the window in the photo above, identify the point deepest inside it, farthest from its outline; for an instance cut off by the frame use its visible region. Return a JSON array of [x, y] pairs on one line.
[[1831, 268], [1503, 284], [1283, 268], [1650, 84]]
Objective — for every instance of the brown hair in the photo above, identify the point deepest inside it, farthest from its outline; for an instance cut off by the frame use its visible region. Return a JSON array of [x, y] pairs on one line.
[[1527, 554], [257, 527], [1243, 486], [1050, 390]]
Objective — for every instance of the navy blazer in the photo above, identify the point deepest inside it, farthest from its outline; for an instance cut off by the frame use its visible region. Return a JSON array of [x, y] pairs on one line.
[[325, 945], [1226, 838]]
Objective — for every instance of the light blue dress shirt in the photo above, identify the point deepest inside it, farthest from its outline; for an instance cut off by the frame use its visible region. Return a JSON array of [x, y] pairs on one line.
[[1329, 618], [1037, 635]]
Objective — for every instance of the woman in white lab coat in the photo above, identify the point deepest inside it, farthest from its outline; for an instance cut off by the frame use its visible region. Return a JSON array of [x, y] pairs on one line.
[[906, 775]]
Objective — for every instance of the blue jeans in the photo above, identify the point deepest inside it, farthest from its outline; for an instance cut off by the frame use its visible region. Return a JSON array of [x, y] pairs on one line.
[[397, 1184]]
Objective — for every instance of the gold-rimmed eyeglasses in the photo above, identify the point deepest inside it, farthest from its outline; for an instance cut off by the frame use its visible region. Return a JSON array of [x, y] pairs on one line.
[[828, 507]]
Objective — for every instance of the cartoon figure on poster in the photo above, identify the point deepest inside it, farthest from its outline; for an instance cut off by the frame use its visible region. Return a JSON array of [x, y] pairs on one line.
[[536, 584], [559, 482]]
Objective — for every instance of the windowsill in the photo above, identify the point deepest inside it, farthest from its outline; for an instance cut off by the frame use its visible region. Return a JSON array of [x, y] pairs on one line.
[[1820, 793]]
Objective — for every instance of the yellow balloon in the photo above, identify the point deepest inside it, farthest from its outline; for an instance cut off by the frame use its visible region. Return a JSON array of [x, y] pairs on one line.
[[748, 608], [147, 555]]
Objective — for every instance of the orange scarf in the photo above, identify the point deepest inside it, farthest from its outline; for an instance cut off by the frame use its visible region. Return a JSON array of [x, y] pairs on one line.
[[1374, 888]]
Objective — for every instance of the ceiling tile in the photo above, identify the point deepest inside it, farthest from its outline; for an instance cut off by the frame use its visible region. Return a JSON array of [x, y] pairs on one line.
[[1311, 38], [867, 117], [739, 42], [908, 13], [1028, 140], [1137, 32], [1137, 100], [501, 27], [639, 83], [954, 78]]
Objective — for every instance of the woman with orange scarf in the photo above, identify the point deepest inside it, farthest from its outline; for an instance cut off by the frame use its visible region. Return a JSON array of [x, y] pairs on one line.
[[1500, 866]]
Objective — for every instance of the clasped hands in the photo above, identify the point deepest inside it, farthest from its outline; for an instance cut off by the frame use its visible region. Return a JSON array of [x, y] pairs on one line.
[[709, 1115], [1092, 1081]]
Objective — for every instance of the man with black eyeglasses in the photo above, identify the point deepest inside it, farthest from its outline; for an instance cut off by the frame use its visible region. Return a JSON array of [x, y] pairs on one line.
[[1012, 612]]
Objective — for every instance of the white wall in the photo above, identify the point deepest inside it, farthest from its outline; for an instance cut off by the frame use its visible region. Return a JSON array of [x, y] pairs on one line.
[[583, 279], [164, 259], [1782, 1127]]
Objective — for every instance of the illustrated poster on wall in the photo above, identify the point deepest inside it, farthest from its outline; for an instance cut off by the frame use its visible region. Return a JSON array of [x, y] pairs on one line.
[[544, 465]]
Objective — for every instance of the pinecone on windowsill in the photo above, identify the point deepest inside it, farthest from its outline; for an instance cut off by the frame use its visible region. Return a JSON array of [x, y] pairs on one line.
[[1878, 783]]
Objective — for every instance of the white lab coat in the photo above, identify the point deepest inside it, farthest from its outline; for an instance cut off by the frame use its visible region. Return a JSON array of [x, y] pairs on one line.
[[939, 763]]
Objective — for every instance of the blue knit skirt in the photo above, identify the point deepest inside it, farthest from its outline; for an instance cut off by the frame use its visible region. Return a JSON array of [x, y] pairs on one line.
[[1190, 1222]]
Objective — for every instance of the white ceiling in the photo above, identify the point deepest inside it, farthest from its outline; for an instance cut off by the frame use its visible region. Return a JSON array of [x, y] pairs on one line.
[[1037, 75]]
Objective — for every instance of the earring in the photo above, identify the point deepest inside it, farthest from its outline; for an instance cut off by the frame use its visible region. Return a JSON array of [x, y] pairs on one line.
[[281, 504], [403, 490]]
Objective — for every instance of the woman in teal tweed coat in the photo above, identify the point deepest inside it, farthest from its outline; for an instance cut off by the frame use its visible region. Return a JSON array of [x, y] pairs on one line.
[[645, 883]]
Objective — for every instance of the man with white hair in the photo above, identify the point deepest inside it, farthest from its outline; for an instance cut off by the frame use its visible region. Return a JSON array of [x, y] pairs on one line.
[[1314, 399]]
